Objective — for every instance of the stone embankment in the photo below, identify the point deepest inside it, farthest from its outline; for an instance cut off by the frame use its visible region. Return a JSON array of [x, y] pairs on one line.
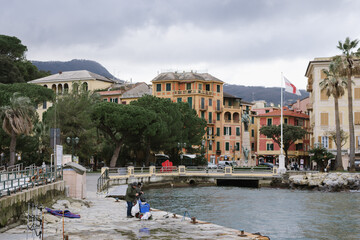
[[332, 182]]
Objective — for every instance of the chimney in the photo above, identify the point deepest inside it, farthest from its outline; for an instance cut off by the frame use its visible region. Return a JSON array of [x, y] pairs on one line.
[[60, 72]]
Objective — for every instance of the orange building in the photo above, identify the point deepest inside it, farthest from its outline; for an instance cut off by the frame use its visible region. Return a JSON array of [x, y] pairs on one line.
[[223, 112]]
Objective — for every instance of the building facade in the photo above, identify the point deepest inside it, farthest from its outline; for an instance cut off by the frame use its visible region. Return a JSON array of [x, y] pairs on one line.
[[322, 111], [223, 112], [64, 82], [268, 150]]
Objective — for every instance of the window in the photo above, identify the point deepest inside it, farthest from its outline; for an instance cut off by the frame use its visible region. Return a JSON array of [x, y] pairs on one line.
[[252, 120], [116, 100], [217, 131], [158, 87], [357, 118], [237, 146], [285, 120], [218, 105], [85, 86], [200, 86], [207, 87], [218, 116], [323, 96], [189, 100], [203, 115], [324, 117], [44, 105], [269, 146], [299, 147], [266, 111], [188, 86], [269, 121], [229, 102], [179, 99], [105, 100], [227, 131], [357, 93], [168, 87], [210, 145], [252, 133], [218, 88], [227, 146], [210, 117], [237, 131], [325, 141], [123, 102], [218, 146], [210, 102], [252, 146]]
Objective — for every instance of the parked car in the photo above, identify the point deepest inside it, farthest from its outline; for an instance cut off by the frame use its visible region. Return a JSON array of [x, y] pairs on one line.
[[357, 164], [212, 166], [223, 164], [266, 164]]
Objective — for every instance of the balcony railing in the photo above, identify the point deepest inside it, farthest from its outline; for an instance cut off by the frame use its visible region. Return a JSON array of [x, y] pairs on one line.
[[203, 107], [219, 109], [211, 121], [192, 91]]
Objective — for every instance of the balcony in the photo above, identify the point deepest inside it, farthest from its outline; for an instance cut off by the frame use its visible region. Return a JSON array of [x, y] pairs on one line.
[[228, 120], [203, 107], [219, 109], [309, 106], [233, 107], [211, 122]]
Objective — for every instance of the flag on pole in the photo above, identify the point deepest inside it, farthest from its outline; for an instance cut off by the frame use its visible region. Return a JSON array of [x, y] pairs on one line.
[[289, 87]]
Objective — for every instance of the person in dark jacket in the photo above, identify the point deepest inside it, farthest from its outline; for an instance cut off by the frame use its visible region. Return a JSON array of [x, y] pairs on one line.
[[130, 197]]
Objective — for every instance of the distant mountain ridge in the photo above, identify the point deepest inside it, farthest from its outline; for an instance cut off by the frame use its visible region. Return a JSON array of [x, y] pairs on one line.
[[269, 94], [73, 65]]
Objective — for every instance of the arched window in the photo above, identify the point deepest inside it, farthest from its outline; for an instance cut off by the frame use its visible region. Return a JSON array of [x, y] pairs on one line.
[[236, 117], [45, 85], [85, 86], [54, 88], [60, 89], [75, 87], [66, 88]]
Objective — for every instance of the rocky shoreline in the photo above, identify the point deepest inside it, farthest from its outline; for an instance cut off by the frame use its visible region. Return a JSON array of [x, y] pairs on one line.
[[329, 182]]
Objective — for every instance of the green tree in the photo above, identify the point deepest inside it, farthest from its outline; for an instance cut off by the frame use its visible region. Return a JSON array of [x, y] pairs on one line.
[[17, 118], [14, 68], [347, 58], [335, 86], [321, 156], [71, 113], [122, 122], [290, 133]]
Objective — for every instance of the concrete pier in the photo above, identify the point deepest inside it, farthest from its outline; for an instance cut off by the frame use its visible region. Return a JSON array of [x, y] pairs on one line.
[[105, 218]]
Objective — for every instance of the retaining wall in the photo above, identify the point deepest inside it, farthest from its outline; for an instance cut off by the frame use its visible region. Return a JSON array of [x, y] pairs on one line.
[[13, 206]]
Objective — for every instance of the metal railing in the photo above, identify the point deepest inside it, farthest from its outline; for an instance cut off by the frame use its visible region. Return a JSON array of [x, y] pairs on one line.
[[102, 182], [170, 169], [14, 181]]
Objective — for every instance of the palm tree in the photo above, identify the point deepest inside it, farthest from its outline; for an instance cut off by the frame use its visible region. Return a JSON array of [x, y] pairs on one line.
[[347, 59], [335, 86], [17, 119]]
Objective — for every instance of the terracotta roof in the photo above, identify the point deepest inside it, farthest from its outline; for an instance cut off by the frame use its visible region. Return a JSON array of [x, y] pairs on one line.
[[115, 92], [286, 112], [183, 76], [228, 95]]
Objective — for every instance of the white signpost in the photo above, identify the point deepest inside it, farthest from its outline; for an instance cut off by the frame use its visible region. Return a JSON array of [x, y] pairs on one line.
[[59, 155]]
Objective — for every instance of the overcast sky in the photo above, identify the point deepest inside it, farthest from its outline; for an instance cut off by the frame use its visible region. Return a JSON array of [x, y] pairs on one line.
[[240, 42]]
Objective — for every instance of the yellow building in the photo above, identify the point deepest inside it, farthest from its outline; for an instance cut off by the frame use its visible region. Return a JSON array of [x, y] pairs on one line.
[[204, 93], [322, 110], [64, 82]]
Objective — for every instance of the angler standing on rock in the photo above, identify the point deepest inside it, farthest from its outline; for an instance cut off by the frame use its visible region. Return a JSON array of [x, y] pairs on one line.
[[130, 197]]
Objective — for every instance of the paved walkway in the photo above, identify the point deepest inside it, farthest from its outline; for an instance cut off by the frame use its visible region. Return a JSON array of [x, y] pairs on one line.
[[104, 218]]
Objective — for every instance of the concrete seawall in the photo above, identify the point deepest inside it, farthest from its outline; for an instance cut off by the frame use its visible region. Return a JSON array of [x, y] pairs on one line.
[[13, 206]]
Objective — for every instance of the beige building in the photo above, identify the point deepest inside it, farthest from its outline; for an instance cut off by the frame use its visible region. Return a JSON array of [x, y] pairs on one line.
[[64, 82], [322, 111]]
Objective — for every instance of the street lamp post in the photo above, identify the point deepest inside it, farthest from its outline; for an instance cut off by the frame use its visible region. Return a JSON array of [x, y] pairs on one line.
[[73, 141]]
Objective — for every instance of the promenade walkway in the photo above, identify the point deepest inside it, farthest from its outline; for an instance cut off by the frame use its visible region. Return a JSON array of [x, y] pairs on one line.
[[105, 218]]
